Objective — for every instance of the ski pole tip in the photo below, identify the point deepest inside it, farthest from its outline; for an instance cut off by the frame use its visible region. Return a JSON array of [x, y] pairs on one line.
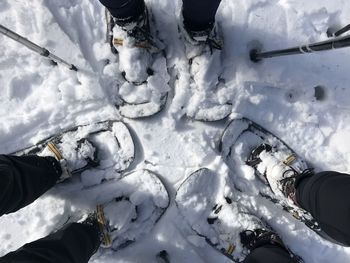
[[53, 63], [330, 32], [73, 68], [254, 55]]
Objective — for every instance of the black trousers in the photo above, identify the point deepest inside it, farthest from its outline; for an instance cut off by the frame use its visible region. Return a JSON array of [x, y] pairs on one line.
[[75, 243], [326, 196], [198, 14], [24, 179]]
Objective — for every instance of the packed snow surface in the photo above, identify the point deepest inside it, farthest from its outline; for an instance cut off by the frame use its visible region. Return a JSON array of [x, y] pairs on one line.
[[302, 99]]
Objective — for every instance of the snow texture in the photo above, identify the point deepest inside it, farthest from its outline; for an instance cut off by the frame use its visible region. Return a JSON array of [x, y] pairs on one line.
[[142, 200], [302, 99]]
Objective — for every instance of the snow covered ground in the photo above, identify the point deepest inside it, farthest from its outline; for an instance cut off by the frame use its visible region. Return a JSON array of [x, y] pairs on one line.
[[38, 100]]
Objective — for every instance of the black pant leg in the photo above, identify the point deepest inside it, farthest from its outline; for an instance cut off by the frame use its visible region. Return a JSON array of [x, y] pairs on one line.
[[24, 178], [269, 254], [326, 196], [199, 14], [127, 10], [75, 243]]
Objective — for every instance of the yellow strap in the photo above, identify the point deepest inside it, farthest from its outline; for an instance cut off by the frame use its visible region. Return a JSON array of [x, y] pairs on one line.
[[290, 159], [100, 215], [120, 42], [53, 148], [231, 249], [106, 241]]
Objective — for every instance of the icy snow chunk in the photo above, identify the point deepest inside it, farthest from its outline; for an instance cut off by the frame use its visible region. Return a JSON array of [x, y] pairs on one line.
[[92, 177], [137, 70], [119, 214], [101, 50], [131, 94], [340, 140], [248, 172]]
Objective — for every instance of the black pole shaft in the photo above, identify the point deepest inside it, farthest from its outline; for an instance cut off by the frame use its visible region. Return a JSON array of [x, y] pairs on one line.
[[335, 43], [342, 31], [34, 47]]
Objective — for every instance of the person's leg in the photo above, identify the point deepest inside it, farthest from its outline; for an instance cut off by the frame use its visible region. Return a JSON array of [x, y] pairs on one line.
[[204, 41], [269, 254], [24, 178], [125, 10], [133, 38], [75, 243], [326, 196], [199, 14]]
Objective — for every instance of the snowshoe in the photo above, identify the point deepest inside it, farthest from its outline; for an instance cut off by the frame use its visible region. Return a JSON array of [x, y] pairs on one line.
[[101, 146], [209, 100], [130, 207], [219, 218], [275, 164], [143, 89]]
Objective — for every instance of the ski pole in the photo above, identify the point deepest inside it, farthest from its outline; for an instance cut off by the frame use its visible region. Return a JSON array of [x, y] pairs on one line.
[[342, 31], [340, 42], [34, 47]]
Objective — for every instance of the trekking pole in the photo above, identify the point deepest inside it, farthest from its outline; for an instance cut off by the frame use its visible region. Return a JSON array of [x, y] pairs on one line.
[[42, 51], [342, 31], [335, 43]]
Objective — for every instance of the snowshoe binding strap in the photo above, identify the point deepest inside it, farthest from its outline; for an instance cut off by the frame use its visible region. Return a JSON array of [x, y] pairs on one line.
[[231, 248], [214, 44], [254, 158], [106, 240], [65, 172], [163, 257], [213, 216], [139, 29], [144, 44], [53, 148], [289, 183], [290, 160], [252, 239]]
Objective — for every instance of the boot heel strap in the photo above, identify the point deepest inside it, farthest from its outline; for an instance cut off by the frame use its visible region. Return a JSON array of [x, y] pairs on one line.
[[290, 160], [53, 148], [106, 239]]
